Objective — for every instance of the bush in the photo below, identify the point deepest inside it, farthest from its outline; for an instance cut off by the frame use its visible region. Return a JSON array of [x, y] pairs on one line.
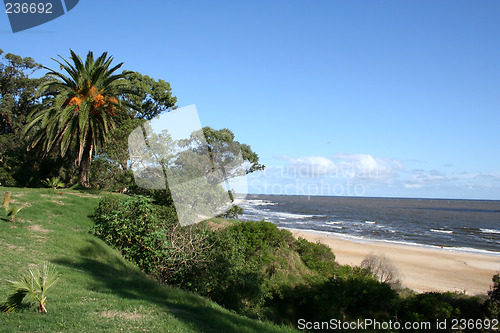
[[318, 257], [237, 272], [346, 298], [382, 268], [433, 306], [493, 302], [151, 236]]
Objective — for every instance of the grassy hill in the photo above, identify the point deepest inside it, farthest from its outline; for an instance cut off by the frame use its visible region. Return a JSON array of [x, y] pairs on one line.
[[98, 290]]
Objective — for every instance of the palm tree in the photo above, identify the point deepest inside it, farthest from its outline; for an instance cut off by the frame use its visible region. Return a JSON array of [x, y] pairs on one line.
[[33, 284], [81, 107], [53, 183]]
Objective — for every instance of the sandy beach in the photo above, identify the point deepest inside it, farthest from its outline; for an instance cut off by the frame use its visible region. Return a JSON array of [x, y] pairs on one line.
[[423, 268]]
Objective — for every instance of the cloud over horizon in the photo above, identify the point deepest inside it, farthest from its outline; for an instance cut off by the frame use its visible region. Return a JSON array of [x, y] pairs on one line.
[[366, 175]]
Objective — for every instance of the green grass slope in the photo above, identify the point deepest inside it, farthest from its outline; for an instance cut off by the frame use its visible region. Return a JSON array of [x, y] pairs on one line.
[[98, 290]]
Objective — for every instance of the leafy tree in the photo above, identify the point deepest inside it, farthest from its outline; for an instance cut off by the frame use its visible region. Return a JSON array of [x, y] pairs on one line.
[[223, 151], [17, 99], [80, 109], [215, 155], [17, 91], [148, 97]]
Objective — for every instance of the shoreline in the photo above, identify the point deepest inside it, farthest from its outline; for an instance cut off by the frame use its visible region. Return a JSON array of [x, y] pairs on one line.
[[362, 240], [424, 268]]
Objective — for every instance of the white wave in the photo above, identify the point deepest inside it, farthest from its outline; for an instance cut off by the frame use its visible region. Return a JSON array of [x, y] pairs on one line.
[[442, 231], [370, 222], [490, 231], [259, 202], [335, 222], [281, 215]]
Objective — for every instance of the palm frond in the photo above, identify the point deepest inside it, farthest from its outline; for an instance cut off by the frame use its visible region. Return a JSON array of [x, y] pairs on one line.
[[33, 284], [14, 210], [14, 301]]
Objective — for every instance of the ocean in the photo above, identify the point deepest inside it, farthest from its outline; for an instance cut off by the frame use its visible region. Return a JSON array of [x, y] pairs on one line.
[[465, 225]]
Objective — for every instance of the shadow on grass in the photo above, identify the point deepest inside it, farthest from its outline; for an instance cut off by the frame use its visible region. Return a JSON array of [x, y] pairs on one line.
[[111, 275]]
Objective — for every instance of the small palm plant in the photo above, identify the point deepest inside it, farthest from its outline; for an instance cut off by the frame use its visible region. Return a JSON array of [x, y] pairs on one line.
[[33, 284], [53, 183], [12, 211]]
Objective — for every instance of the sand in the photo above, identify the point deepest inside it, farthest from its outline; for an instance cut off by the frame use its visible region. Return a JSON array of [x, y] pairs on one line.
[[423, 268]]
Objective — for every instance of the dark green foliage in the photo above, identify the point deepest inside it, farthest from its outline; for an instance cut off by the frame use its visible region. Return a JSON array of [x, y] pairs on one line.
[[232, 213], [231, 278], [107, 175], [110, 169], [433, 306], [252, 262], [17, 101], [150, 236], [346, 298], [131, 225], [318, 257], [494, 300], [258, 238], [149, 97], [17, 91], [236, 266], [236, 275]]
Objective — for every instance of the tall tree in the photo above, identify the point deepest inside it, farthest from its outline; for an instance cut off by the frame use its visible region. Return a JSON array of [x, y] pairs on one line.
[[223, 151], [81, 107], [18, 84], [17, 91], [149, 97]]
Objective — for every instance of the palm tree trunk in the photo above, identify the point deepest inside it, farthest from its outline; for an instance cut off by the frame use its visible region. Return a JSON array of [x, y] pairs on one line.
[[42, 308], [83, 177]]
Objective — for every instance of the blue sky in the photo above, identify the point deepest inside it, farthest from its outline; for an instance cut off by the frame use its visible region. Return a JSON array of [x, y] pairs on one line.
[[372, 98]]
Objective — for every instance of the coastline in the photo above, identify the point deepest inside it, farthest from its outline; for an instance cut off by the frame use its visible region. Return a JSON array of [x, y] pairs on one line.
[[423, 268]]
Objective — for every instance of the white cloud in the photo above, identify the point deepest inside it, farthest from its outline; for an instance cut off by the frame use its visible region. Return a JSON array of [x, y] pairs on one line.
[[361, 167], [308, 166], [422, 178], [365, 166]]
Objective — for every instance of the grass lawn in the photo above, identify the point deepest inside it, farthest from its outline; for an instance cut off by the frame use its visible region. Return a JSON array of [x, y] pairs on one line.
[[97, 290]]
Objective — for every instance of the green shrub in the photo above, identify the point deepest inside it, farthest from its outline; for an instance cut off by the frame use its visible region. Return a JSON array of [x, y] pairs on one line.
[[433, 306], [151, 236], [318, 257], [346, 298], [235, 275], [493, 302]]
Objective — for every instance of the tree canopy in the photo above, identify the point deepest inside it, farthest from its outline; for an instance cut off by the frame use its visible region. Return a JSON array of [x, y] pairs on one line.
[[79, 109], [148, 97], [17, 91]]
